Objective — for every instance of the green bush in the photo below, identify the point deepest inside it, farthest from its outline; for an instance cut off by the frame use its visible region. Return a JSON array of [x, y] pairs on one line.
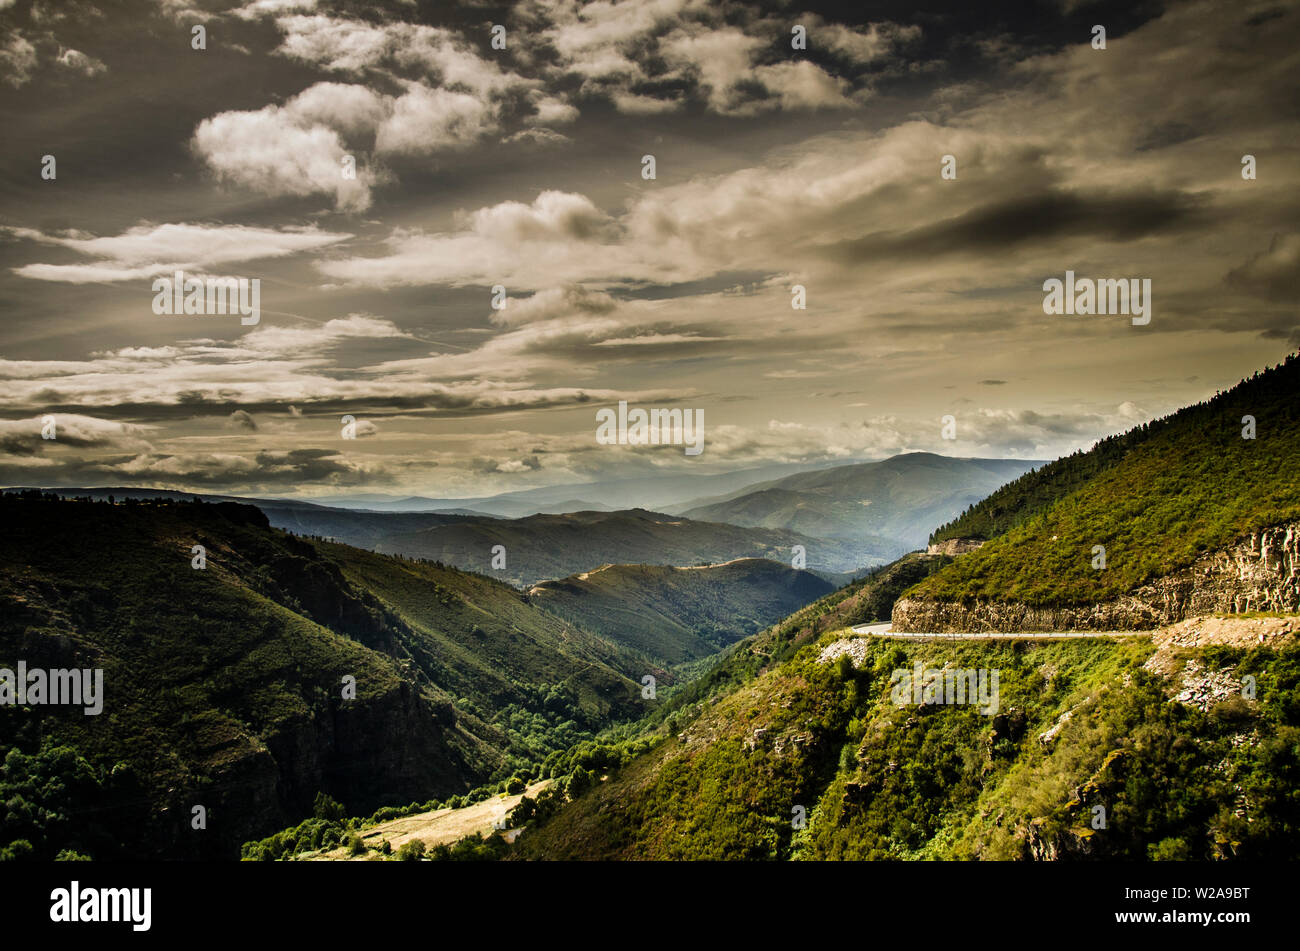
[[411, 851]]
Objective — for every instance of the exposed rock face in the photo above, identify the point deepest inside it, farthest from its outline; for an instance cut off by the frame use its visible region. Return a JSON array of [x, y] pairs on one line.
[[954, 546], [366, 753], [1259, 573]]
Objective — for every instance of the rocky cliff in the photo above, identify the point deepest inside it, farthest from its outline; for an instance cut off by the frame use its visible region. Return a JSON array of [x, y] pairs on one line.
[[1259, 573], [954, 546]]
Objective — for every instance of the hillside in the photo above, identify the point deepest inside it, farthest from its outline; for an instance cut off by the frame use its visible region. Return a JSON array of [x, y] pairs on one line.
[[223, 686], [542, 547], [867, 599], [885, 508], [812, 759], [538, 547], [1159, 499], [680, 614]]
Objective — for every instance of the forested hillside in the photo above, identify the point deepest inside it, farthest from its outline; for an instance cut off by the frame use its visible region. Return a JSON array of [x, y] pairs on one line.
[[1154, 498], [680, 614], [224, 686]]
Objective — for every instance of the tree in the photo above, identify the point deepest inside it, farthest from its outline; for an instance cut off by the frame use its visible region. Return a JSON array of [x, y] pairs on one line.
[[328, 808], [411, 851]]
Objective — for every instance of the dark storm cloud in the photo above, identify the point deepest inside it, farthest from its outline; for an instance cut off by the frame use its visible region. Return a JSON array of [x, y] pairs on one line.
[[994, 229]]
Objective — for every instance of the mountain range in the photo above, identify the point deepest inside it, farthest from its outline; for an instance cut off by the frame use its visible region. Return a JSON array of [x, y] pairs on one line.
[[773, 730], [1181, 737], [887, 507]]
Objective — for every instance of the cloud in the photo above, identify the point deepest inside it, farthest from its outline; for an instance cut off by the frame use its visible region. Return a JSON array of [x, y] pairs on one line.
[[732, 58], [146, 249], [877, 41], [295, 149], [24, 437], [268, 370], [452, 98], [17, 60], [517, 244], [537, 137], [552, 304], [722, 61], [424, 120], [242, 420], [1273, 273], [429, 53], [262, 8], [81, 63]]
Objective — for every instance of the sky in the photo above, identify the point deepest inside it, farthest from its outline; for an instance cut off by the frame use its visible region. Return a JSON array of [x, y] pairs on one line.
[[483, 174]]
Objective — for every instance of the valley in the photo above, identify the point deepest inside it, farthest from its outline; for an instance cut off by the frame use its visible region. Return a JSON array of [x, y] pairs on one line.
[[726, 706]]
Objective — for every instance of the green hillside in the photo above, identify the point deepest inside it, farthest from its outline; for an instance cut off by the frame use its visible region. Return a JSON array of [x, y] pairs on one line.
[[729, 775], [680, 614], [223, 686], [1155, 498], [542, 547]]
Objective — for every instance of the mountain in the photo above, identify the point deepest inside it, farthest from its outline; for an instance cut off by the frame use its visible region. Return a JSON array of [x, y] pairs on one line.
[[680, 614], [884, 508], [555, 546], [658, 492], [224, 687], [538, 547], [1172, 743], [1193, 513], [813, 758]]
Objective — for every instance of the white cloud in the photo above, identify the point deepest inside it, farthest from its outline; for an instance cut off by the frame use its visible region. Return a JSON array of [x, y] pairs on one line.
[[520, 245], [147, 250], [425, 120], [17, 60], [261, 8], [24, 436], [79, 62], [271, 151]]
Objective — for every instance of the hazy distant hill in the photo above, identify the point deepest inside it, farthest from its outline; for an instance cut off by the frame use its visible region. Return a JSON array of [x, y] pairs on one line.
[[679, 614], [542, 547], [659, 492], [886, 508], [538, 547]]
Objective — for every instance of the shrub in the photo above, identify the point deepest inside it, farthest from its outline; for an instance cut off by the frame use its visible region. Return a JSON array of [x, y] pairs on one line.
[[411, 851]]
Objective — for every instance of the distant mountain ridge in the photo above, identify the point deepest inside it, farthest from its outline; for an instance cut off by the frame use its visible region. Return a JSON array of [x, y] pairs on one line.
[[886, 508], [537, 547], [661, 492]]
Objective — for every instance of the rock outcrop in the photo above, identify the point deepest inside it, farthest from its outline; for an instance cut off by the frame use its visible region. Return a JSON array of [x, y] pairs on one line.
[[1259, 573], [954, 546]]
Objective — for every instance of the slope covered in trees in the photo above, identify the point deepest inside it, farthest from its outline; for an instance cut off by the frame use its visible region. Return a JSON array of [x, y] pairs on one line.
[[1155, 498], [814, 759], [223, 687], [680, 614]]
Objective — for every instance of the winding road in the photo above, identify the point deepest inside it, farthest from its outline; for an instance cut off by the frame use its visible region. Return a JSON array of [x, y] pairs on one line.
[[882, 630]]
